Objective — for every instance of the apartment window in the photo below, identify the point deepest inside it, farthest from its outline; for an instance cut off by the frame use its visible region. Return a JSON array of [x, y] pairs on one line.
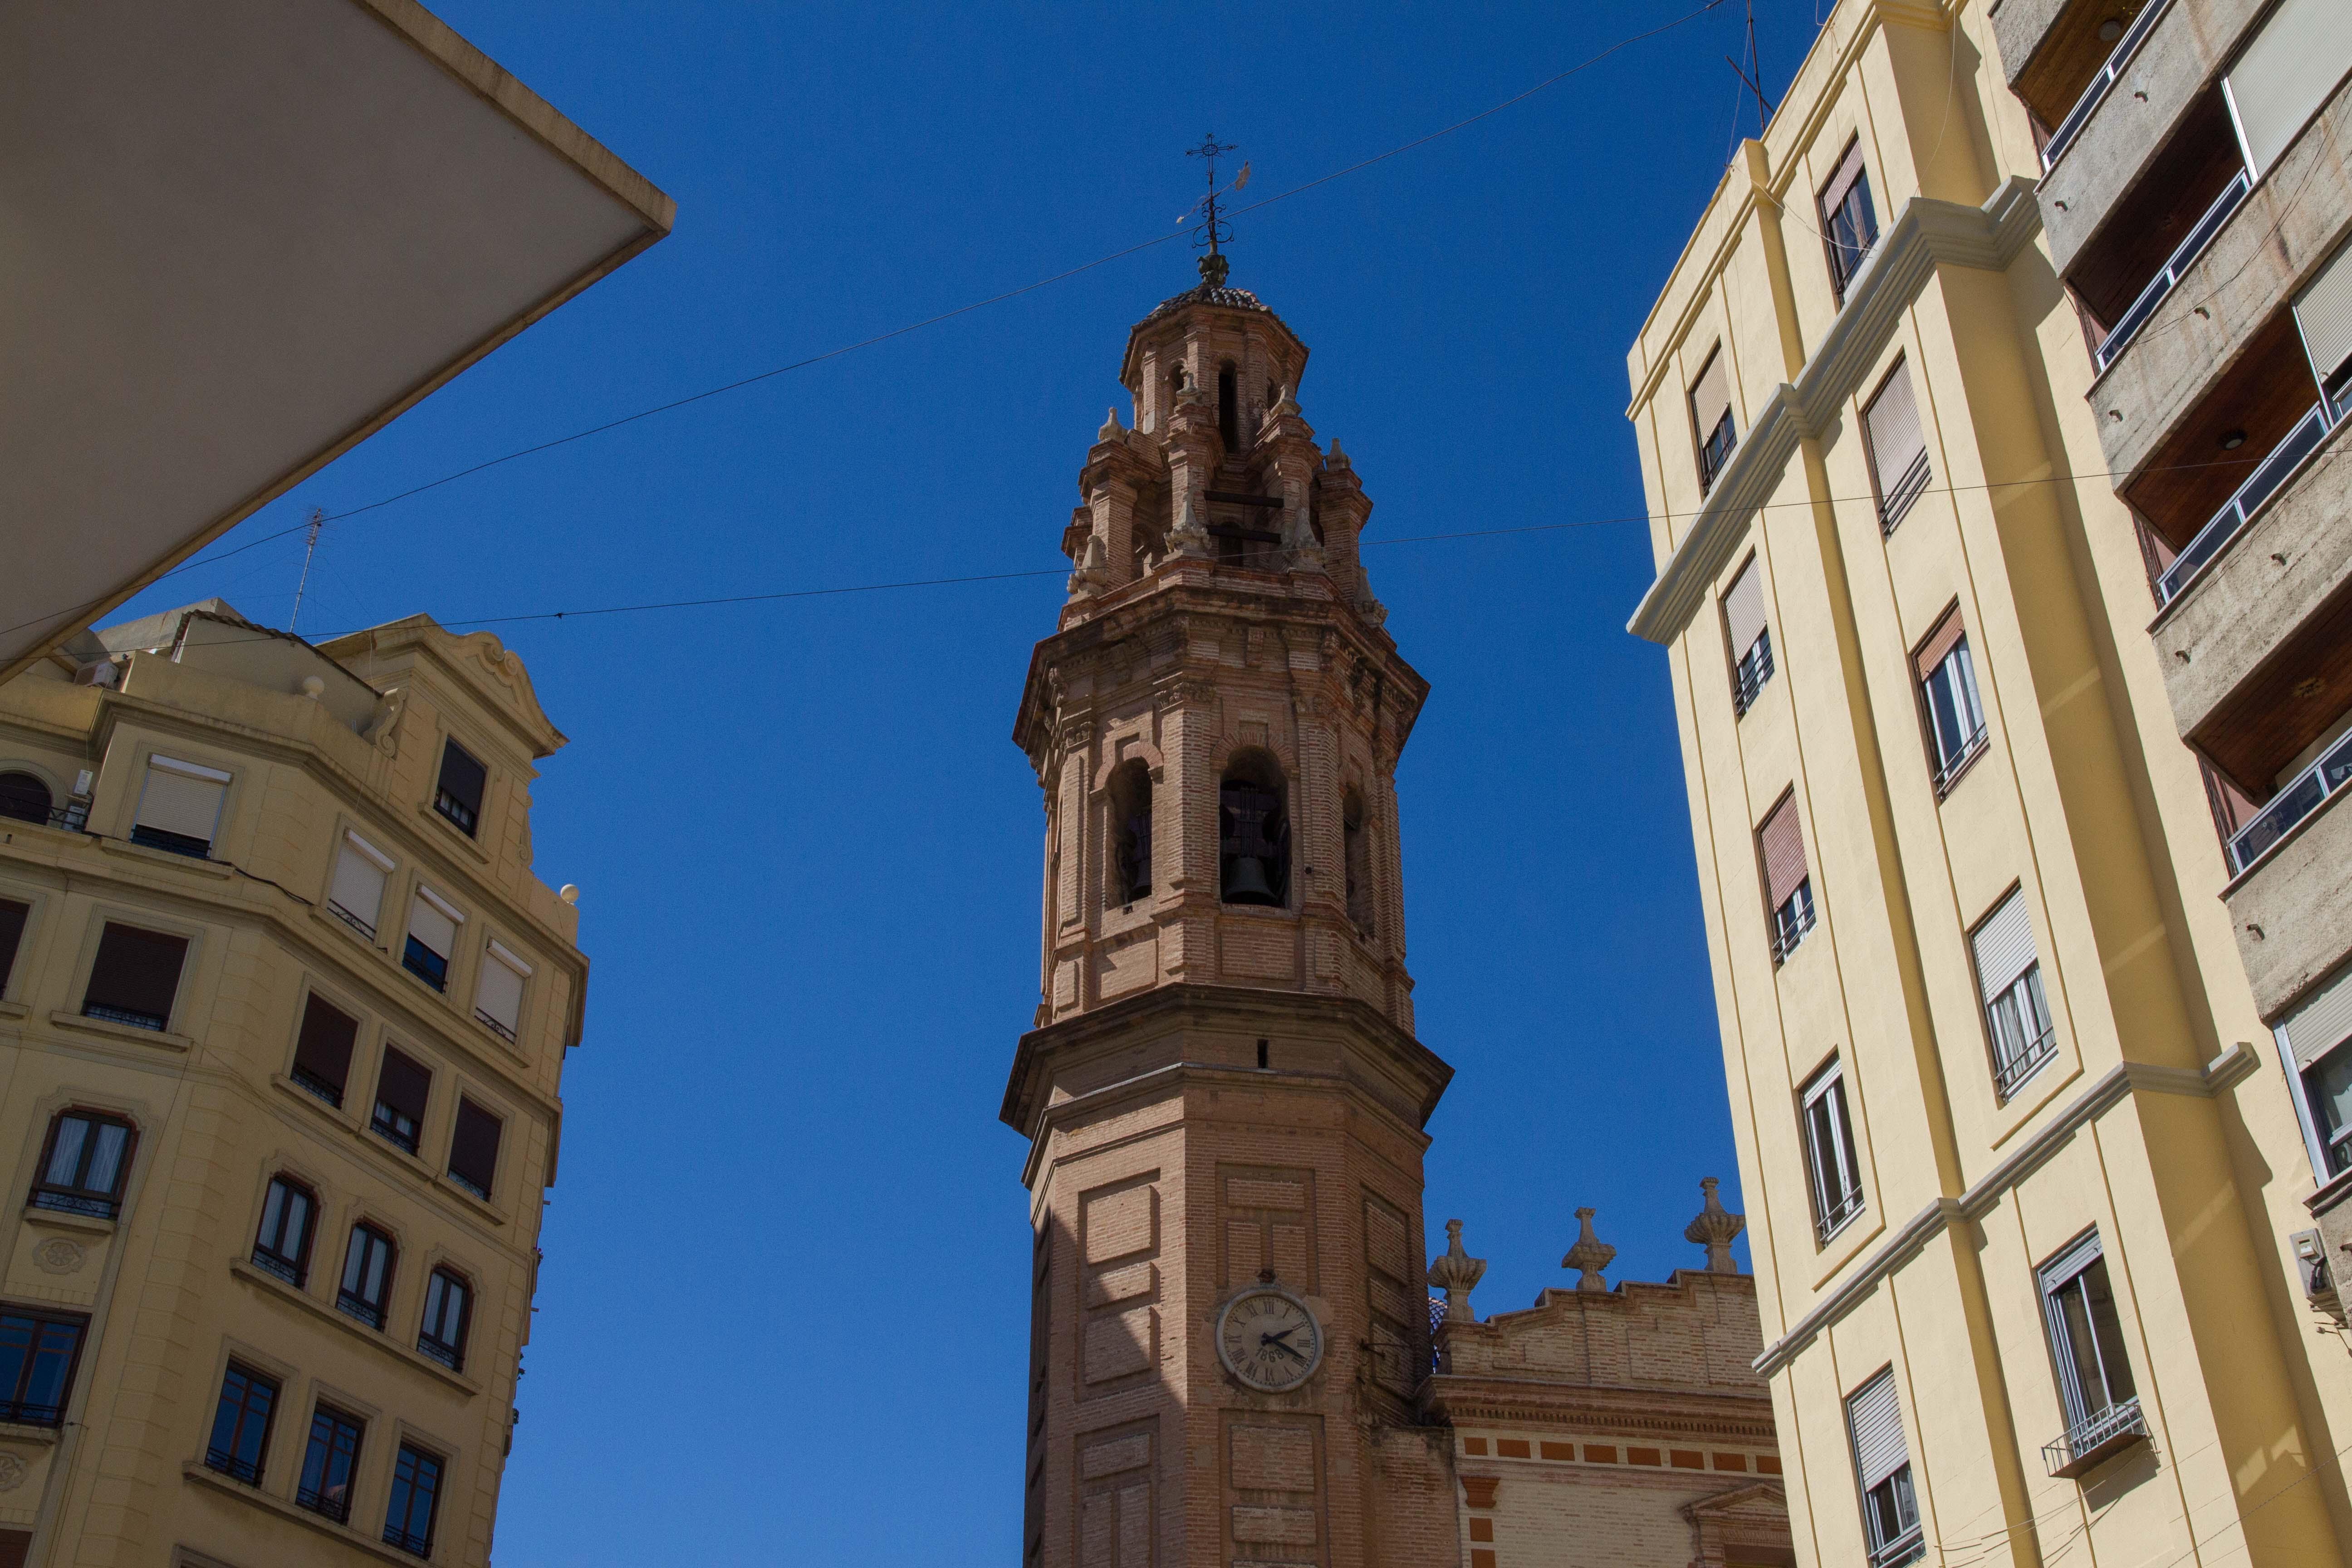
[[356, 895], [1897, 447], [1710, 403], [2086, 1336], [322, 1052], [37, 1352], [1830, 1152], [498, 991], [448, 1313], [1849, 223], [416, 1499], [474, 1147], [2317, 1040], [458, 794], [1882, 1462], [327, 1462], [240, 1441], [2009, 978], [282, 1247], [1787, 883], [135, 978], [403, 1089], [1131, 830], [179, 807], [13, 915], [83, 1167], [1750, 638], [24, 798], [432, 923], [1948, 691], [367, 1276]]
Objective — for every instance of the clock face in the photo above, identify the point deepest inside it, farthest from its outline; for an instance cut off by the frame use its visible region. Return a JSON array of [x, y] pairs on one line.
[[1267, 1338]]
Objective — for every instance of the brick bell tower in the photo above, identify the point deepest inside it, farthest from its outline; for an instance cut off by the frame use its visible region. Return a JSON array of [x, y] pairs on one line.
[[1223, 1093]]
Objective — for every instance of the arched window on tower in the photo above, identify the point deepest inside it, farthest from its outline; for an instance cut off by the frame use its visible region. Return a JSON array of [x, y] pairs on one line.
[[1358, 859], [1253, 832], [1229, 407], [1130, 832]]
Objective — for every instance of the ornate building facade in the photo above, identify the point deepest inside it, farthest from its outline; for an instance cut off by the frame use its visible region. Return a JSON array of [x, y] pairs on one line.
[[1231, 1356]]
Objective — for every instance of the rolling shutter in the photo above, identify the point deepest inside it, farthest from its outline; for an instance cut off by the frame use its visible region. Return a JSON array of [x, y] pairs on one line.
[[2285, 74], [2321, 1024], [1875, 1420], [1782, 845], [1841, 184], [434, 923], [136, 971], [1940, 642], [181, 799], [1711, 395], [1743, 610], [498, 995], [360, 871], [2004, 946], [2323, 311], [1892, 422], [404, 1085], [324, 1048], [474, 1149]]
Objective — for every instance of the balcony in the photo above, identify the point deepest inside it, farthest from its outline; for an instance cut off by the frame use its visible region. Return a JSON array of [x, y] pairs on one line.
[[2102, 80], [2176, 267], [2284, 462], [2095, 1440], [2292, 907], [2314, 787]]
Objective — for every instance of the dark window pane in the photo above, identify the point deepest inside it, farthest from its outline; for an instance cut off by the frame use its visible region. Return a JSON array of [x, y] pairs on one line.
[[84, 1170], [474, 1151], [327, 1464], [447, 1303], [458, 796], [367, 1276], [283, 1248], [323, 1055], [241, 1424], [24, 798], [36, 1360], [402, 1089], [11, 933], [135, 978], [415, 1497]]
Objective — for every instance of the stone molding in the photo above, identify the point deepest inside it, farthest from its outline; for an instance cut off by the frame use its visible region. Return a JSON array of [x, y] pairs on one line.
[[1926, 235], [2118, 1083]]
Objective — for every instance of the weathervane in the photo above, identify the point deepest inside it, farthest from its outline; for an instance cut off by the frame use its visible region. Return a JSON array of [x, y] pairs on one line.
[[1214, 231]]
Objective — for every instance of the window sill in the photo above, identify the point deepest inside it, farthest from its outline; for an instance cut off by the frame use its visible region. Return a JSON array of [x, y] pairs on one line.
[[450, 1187], [338, 1115], [410, 1165], [342, 1534], [106, 1028], [209, 867], [15, 1010], [351, 932], [454, 834], [271, 1285], [58, 1219], [26, 1432]]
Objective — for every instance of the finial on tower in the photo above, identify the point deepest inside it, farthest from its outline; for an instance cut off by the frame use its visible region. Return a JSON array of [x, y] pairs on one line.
[[1589, 1256], [1713, 1229], [1214, 231], [1455, 1272]]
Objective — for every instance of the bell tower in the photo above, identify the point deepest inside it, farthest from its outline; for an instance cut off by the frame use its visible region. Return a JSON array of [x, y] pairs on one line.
[[1222, 1090]]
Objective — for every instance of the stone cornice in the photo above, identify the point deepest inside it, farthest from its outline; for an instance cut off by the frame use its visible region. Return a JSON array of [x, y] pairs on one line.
[[1928, 233], [1742, 1419], [2118, 1083]]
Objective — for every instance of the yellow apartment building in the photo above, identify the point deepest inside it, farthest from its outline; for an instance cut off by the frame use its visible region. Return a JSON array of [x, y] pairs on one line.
[[2023, 1167], [283, 1013]]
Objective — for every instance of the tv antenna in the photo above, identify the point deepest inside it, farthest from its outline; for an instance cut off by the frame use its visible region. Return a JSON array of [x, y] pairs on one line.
[[1753, 73], [1214, 231], [317, 521]]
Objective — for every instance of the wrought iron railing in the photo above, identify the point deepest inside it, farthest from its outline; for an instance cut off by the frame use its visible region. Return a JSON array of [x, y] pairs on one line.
[[25, 1413], [365, 928], [333, 1502], [2094, 1438], [1754, 669], [1904, 491], [171, 843], [456, 810], [360, 1308], [131, 1016], [2319, 783], [425, 964], [2286, 461], [1837, 1212], [68, 1200], [1715, 452], [495, 1026], [2101, 85], [446, 1354], [286, 1269], [332, 1093], [1791, 921], [2233, 197], [2012, 1070], [228, 1464], [414, 1545]]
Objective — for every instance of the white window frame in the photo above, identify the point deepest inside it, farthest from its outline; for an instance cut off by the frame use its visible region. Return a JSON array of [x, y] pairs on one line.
[[1829, 1084]]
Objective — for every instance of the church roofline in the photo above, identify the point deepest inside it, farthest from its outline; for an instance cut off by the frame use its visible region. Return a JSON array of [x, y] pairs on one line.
[[1236, 300]]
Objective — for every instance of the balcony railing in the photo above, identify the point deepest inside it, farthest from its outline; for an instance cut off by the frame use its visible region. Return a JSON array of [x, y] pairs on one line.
[[1791, 921], [25, 1413], [365, 928], [334, 1501], [1754, 669], [332, 1093], [496, 1025], [2324, 779], [1908, 1547], [131, 1016], [72, 1200], [1948, 770], [230, 1465], [2094, 1438], [2285, 461], [1839, 1212], [359, 1307], [414, 1545], [1715, 452], [2233, 197], [446, 1354], [171, 843], [286, 1269], [1903, 493], [2102, 84], [2010, 1072]]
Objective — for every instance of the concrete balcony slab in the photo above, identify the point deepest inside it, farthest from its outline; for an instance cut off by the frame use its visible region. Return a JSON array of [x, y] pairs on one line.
[[2293, 910]]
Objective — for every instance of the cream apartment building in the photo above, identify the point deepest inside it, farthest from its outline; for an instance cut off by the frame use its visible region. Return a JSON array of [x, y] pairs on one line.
[[2023, 1166], [283, 1013]]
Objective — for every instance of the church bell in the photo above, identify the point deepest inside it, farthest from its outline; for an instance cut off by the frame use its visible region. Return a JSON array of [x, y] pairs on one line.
[[1245, 882]]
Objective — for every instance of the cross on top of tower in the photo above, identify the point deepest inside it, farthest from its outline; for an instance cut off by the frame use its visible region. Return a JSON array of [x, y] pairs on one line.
[[1214, 231]]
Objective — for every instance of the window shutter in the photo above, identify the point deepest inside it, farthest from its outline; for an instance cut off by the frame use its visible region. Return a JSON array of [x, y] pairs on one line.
[[1875, 1419], [2286, 73], [404, 1085], [12, 933], [1940, 642], [1711, 395], [136, 971], [429, 922], [1892, 421], [1849, 169], [324, 1048], [474, 1151], [2323, 311], [1743, 609], [181, 798], [360, 870], [2070, 1262], [1782, 843], [498, 993], [2004, 946], [2321, 1024], [462, 777]]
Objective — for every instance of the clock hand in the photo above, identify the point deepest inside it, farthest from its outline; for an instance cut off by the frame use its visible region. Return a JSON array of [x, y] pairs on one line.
[[1285, 1349]]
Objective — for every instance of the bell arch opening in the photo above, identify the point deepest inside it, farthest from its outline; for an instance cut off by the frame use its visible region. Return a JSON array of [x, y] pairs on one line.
[[1229, 406], [1358, 843], [1254, 831], [1130, 832]]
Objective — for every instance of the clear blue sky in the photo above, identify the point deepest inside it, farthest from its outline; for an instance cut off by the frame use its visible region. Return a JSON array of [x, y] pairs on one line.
[[786, 1258]]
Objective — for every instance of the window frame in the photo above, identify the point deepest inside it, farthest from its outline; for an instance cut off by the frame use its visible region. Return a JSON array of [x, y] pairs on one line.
[[1945, 768], [13, 1404], [349, 840], [408, 1139], [1905, 1542], [467, 1101], [319, 1499], [1898, 495], [303, 1077], [1830, 1219], [495, 951], [2071, 1269], [440, 979], [294, 1270], [225, 1461], [1841, 275], [353, 1305], [92, 1202], [129, 1017], [12, 947], [171, 842], [2015, 1055], [1710, 462], [449, 1352], [413, 1456], [470, 822]]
